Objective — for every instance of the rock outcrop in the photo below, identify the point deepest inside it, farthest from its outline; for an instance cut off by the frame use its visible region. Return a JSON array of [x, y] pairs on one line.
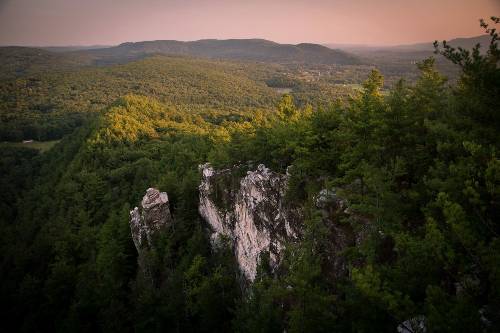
[[251, 211], [153, 217], [413, 325]]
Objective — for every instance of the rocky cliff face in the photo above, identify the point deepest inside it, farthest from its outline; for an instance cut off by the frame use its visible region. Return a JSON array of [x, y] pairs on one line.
[[251, 211], [153, 217]]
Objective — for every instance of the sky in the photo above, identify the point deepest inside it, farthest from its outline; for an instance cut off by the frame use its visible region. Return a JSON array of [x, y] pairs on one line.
[[110, 22]]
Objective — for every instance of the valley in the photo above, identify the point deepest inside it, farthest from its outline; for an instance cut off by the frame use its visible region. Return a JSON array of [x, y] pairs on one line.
[[244, 185], [46, 94]]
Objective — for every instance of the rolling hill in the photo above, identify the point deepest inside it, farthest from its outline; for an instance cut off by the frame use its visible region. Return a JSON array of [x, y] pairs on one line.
[[238, 49], [464, 42], [46, 103], [16, 61]]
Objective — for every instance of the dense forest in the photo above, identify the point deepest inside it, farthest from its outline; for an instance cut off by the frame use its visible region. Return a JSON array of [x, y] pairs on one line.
[[46, 99], [419, 162]]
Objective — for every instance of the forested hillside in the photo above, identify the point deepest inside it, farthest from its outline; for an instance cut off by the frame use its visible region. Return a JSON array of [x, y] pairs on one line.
[[399, 61], [238, 49], [20, 61], [50, 101], [419, 164], [46, 104]]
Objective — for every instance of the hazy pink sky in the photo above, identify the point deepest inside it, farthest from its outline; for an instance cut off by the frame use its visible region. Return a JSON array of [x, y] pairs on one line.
[[87, 22]]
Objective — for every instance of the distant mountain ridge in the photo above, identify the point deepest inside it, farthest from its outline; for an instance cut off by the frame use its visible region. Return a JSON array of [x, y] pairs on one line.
[[238, 49], [70, 48], [464, 42]]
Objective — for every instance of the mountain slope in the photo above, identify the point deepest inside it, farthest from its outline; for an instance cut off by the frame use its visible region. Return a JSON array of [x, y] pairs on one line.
[[49, 102], [16, 61], [240, 49], [464, 42]]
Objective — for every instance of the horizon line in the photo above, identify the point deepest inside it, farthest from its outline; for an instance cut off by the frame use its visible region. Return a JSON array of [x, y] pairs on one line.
[[105, 45]]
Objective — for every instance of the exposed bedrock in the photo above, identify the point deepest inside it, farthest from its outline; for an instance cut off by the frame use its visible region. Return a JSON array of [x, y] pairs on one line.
[[251, 210], [152, 217]]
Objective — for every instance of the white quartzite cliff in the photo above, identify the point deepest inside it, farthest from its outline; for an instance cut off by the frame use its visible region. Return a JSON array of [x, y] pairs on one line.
[[250, 211]]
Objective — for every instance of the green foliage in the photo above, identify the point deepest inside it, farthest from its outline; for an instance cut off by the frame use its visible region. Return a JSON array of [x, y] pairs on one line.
[[45, 105], [421, 165], [74, 219]]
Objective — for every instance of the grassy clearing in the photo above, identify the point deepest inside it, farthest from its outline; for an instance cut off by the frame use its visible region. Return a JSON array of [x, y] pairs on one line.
[[42, 146]]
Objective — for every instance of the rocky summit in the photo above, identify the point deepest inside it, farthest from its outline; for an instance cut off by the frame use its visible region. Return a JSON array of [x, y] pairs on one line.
[[153, 216]]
